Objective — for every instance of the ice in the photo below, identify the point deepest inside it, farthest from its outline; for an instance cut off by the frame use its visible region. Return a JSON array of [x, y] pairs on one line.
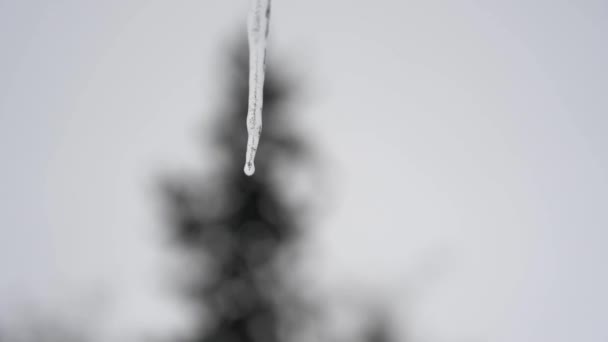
[[257, 27]]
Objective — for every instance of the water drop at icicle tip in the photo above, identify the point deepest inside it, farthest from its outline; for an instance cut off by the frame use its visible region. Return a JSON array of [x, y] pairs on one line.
[[257, 33], [249, 168]]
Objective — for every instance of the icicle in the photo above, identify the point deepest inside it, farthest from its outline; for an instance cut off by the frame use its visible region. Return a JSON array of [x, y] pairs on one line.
[[257, 27]]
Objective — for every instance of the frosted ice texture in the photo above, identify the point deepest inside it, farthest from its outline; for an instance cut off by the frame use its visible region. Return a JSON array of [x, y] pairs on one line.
[[257, 30]]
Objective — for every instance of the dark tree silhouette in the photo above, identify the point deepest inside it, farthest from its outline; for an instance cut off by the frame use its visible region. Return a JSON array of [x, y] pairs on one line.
[[235, 225], [238, 229]]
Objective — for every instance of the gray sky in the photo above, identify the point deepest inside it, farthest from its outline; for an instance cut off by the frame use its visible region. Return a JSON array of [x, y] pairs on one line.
[[465, 141]]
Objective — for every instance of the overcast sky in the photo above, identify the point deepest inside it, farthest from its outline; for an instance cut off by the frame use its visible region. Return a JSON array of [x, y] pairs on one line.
[[465, 144]]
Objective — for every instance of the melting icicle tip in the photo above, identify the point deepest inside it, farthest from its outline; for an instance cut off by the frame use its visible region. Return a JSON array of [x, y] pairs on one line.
[[257, 30]]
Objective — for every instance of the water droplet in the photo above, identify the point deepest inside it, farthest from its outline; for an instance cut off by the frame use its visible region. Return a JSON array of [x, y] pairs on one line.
[[249, 169]]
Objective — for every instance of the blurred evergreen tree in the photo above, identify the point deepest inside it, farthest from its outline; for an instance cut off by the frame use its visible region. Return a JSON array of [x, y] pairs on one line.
[[235, 225], [238, 229]]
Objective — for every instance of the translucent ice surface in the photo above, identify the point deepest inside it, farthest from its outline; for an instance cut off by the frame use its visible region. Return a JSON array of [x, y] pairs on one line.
[[257, 28]]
